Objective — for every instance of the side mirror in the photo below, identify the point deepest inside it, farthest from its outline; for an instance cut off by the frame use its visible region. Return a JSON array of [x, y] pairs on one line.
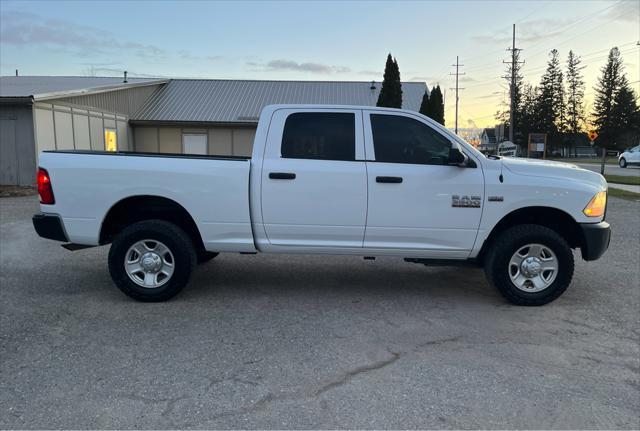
[[457, 157]]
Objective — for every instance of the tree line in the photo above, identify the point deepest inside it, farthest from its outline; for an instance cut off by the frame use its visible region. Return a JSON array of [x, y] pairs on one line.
[[391, 93], [556, 105]]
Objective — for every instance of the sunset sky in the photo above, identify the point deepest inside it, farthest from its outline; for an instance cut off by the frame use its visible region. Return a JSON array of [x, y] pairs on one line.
[[319, 41]]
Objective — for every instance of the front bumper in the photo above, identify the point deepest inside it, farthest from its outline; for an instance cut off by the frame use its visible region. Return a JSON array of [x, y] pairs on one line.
[[596, 238], [49, 226]]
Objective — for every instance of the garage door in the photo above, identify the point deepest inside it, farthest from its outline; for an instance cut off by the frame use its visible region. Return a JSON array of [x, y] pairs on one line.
[[8, 153], [194, 143]]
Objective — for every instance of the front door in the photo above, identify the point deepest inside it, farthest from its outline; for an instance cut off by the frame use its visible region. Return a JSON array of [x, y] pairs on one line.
[[418, 203], [314, 182]]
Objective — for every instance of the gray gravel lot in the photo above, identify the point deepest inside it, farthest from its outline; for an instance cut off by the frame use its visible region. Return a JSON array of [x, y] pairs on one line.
[[313, 342]]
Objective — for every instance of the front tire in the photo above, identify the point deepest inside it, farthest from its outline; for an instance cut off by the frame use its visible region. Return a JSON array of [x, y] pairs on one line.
[[151, 260], [529, 265], [622, 162]]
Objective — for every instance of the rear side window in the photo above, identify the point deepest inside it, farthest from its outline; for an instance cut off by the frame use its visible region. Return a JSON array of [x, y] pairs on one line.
[[319, 135], [399, 139]]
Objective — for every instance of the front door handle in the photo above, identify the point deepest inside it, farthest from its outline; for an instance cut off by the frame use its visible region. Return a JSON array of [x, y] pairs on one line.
[[282, 175], [392, 180]]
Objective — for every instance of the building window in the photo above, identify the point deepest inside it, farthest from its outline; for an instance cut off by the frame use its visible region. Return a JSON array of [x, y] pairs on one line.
[[319, 135], [110, 140], [194, 143]]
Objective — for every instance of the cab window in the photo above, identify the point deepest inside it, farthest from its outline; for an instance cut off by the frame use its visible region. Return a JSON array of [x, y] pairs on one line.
[[319, 135], [398, 139]]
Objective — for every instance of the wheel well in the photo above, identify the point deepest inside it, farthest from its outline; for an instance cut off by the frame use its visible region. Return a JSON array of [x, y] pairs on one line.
[[557, 220], [138, 208]]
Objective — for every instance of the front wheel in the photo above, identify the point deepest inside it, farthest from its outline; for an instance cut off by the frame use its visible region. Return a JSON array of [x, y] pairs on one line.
[[622, 162], [151, 260], [529, 264]]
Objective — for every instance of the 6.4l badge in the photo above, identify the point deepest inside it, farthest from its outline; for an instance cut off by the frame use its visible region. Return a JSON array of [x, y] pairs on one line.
[[465, 201]]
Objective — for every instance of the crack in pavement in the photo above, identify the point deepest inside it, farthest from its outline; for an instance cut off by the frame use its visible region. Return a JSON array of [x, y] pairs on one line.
[[349, 375], [268, 399]]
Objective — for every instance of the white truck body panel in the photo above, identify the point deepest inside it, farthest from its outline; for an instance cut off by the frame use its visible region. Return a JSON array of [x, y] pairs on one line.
[[332, 207], [213, 191]]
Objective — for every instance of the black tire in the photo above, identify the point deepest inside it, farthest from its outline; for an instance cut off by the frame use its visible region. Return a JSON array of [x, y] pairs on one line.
[[511, 240], [171, 236], [622, 162], [206, 256]]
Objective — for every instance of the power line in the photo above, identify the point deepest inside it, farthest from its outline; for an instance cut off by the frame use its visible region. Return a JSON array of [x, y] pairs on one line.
[[457, 74]]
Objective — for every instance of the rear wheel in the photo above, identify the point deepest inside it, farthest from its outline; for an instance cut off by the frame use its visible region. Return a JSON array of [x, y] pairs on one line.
[[530, 264], [151, 260], [622, 162]]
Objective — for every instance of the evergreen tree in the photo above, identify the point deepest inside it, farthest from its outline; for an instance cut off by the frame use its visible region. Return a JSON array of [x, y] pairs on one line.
[[626, 115], [575, 95], [424, 106], [436, 105], [391, 91], [528, 121], [608, 87], [550, 102]]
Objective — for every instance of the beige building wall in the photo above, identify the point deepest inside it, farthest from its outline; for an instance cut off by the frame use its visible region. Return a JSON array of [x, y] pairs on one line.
[[81, 137], [65, 127], [222, 141], [170, 140], [145, 139], [64, 130]]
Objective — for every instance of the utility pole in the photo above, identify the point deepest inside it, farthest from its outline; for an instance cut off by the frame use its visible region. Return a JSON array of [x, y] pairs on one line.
[[514, 66], [457, 74]]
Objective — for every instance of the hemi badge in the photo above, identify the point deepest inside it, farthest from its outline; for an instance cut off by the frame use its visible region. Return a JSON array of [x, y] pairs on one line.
[[495, 198]]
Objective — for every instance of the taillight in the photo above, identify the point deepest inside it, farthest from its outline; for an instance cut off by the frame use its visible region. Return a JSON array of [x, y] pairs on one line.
[[44, 188]]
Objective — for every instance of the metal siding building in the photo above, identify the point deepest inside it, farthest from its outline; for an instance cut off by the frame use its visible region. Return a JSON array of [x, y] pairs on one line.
[[152, 115]]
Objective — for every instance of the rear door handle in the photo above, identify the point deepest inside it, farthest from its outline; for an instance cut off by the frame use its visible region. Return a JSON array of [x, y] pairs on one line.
[[282, 175], [392, 180]]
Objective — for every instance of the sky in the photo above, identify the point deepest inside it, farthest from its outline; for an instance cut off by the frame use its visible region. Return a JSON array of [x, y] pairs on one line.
[[330, 40]]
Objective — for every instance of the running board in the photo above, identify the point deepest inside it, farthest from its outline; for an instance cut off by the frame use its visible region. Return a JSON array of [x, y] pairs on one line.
[[442, 262]]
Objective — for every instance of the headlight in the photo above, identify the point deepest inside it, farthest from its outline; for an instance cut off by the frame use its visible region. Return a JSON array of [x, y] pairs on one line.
[[596, 206]]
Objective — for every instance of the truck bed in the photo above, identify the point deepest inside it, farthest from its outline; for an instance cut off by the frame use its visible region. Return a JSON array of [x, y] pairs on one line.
[[212, 189]]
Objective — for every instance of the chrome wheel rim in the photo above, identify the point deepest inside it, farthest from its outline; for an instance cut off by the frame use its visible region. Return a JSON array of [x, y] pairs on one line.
[[149, 263], [533, 268]]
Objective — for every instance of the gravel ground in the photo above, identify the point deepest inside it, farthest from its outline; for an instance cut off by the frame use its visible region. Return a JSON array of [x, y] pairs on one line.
[[270, 341]]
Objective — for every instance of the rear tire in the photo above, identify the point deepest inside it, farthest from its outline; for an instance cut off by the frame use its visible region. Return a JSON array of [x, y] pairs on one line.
[[161, 267], [622, 162], [517, 261]]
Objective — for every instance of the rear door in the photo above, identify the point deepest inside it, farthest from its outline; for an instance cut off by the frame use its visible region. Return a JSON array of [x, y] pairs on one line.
[[314, 182], [418, 204]]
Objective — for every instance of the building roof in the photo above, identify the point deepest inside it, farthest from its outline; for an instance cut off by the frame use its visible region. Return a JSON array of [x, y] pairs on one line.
[[233, 101], [44, 87], [491, 132]]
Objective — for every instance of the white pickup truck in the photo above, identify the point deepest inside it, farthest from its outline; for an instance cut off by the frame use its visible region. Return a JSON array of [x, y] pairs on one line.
[[329, 180]]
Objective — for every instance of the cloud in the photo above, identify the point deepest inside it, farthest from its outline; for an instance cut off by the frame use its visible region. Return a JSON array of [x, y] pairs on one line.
[[370, 72], [310, 67], [29, 29], [628, 11], [528, 32]]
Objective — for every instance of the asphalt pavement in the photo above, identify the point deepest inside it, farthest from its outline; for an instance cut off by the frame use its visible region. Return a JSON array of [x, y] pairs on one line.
[[276, 341], [610, 169]]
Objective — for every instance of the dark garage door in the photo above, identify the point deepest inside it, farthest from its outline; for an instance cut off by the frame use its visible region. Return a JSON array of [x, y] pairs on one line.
[[8, 153]]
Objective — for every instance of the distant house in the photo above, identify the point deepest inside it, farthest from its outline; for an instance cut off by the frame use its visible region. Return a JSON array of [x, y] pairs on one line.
[[197, 116], [488, 142]]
